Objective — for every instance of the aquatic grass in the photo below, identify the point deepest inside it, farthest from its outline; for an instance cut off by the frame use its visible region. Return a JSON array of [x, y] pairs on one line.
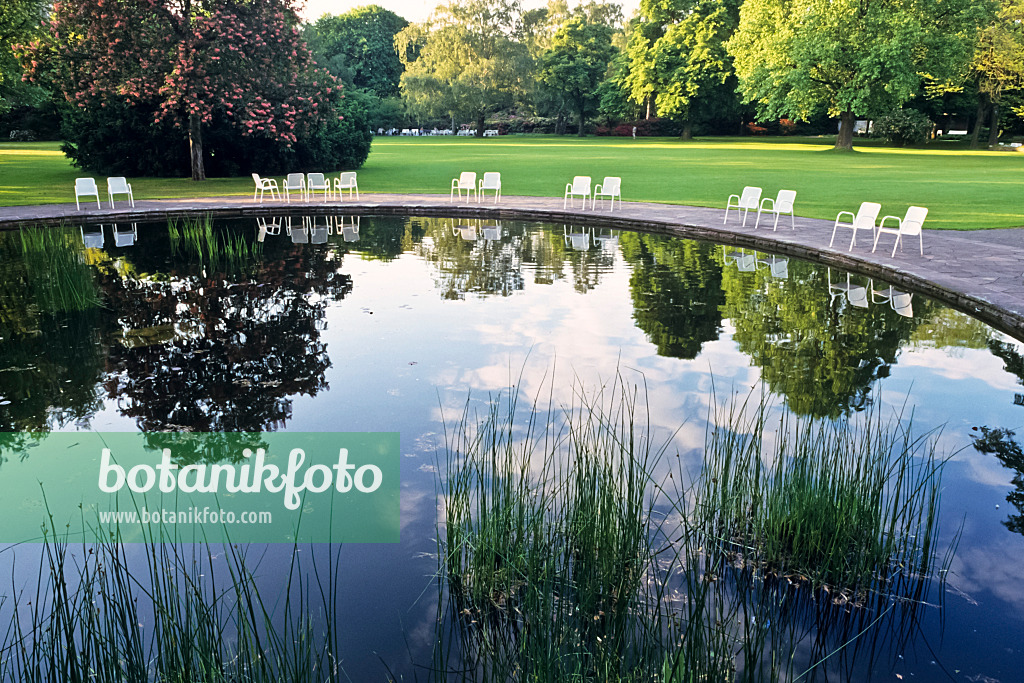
[[846, 507], [58, 276], [195, 237], [562, 559], [179, 613]]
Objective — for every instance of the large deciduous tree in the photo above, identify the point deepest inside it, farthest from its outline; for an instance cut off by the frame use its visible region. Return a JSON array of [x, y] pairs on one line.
[[189, 63], [359, 47], [678, 60], [466, 61], [998, 64], [798, 58], [577, 62]]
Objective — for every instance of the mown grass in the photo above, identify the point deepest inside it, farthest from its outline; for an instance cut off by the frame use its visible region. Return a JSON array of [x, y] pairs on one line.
[[962, 189]]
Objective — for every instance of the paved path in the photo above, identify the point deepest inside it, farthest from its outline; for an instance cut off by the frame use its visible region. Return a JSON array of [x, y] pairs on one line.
[[981, 272]]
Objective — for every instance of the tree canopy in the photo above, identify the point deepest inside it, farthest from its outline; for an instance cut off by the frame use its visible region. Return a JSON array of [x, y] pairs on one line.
[[798, 58], [577, 62], [190, 63]]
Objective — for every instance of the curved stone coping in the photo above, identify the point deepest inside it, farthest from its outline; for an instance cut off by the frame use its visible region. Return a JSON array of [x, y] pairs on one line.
[[978, 272]]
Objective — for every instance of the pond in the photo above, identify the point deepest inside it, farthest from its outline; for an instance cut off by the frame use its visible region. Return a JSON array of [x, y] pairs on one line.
[[388, 324]]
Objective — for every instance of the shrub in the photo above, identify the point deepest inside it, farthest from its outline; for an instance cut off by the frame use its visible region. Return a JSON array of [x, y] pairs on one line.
[[906, 126]]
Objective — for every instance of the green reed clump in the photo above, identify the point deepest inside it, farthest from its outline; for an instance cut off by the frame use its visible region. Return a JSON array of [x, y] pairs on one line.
[[195, 237], [180, 613], [58, 276], [547, 560], [847, 507]]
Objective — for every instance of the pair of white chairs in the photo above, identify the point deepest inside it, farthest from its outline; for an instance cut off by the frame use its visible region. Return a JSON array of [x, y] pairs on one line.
[[750, 199], [490, 182], [86, 187], [865, 219], [611, 189], [306, 186]]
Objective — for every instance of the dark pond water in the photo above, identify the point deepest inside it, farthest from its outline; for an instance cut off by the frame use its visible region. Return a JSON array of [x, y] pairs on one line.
[[390, 324]]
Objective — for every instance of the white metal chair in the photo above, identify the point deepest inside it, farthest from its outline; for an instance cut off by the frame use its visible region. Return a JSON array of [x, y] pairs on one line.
[[911, 225], [264, 185], [901, 302], [86, 187], [466, 232], [317, 182], [864, 220], [579, 187], [466, 181], [119, 185], [491, 232], [349, 229], [747, 202], [783, 203], [611, 188], [346, 181], [92, 240], [295, 182], [490, 182], [777, 266]]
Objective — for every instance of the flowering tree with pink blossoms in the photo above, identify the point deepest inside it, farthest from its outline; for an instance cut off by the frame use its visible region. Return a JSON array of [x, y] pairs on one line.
[[189, 62]]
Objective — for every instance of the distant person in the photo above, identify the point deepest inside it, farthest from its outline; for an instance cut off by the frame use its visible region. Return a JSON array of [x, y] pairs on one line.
[[634, 132]]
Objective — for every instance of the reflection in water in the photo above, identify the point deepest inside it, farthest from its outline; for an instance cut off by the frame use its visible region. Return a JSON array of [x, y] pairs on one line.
[[1000, 442], [189, 339]]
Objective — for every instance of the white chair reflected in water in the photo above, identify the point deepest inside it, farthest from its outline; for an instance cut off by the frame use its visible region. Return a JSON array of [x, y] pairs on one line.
[[92, 239], [578, 240], [266, 227], [126, 237], [466, 231], [492, 232], [857, 295], [297, 230], [777, 266], [744, 262], [606, 238], [899, 301], [348, 226], [319, 229]]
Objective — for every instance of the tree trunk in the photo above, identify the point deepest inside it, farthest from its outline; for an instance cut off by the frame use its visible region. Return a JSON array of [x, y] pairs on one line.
[[687, 133], [580, 116], [979, 116], [195, 146], [651, 109], [480, 125], [844, 140], [560, 124], [993, 126]]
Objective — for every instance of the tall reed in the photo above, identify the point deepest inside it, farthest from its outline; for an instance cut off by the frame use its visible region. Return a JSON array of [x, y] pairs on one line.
[[195, 237], [58, 276], [179, 613]]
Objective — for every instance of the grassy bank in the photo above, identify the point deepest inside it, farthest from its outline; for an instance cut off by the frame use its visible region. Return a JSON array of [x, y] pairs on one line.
[[963, 189]]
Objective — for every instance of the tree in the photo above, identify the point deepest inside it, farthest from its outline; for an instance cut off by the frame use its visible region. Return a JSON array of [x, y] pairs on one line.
[[358, 47], [577, 62], [681, 64], [797, 58], [192, 62], [466, 61], [998, 64], [20, 21]]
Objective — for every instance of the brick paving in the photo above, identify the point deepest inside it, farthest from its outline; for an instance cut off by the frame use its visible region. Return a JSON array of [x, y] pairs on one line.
[[980, 272]]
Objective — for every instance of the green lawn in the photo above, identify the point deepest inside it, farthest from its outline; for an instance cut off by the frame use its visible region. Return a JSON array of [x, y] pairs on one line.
[[962, 189]]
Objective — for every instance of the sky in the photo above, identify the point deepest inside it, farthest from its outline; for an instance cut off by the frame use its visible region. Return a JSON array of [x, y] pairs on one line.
[[414, 10]]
